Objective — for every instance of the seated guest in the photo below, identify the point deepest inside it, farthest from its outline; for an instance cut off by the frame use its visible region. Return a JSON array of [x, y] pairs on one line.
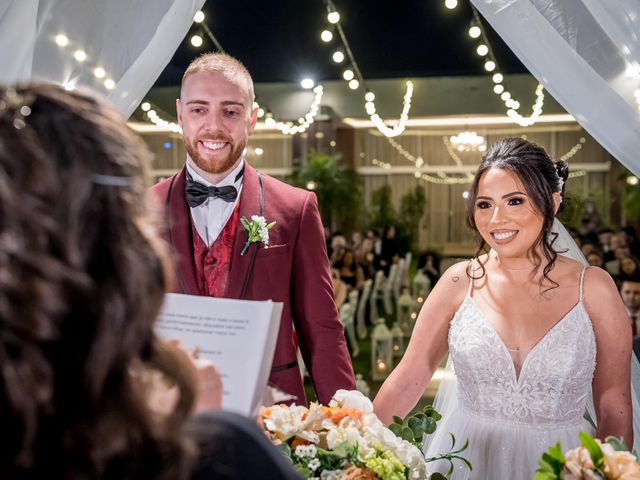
[[630, 292], [595, 259], [350, 272], [82, 279], [429, 264], [365, 258], [629, 268]]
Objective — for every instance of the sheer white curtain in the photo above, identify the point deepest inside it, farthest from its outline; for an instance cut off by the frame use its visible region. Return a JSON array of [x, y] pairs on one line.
[[587, 55], [128, 41]]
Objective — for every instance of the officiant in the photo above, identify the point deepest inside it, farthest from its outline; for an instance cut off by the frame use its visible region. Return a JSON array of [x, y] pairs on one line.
[[218, 209]]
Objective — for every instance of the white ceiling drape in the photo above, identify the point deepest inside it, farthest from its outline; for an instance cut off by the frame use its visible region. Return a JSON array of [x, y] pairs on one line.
[[587, 55], [127, 43]]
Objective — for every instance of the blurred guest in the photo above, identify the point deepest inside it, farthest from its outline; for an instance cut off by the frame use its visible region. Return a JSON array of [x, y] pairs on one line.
[[365, 258], [389, 250], [356, 240], [587, 248], [632, 241], [595, 259], [604, 239], [340, 289], [590, 218], [337, 245], [629, 268], [83, 279], [630, 292], [350, 272], [613, 266], [429, 263]]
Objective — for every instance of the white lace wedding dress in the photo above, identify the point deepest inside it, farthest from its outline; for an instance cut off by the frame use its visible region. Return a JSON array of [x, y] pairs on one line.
[[511, 420]]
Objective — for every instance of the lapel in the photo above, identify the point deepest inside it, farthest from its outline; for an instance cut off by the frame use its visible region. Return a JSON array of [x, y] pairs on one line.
[[180, 235], [249, 205]]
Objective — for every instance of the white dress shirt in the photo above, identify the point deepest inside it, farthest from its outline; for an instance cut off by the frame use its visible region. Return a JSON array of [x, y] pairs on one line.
[[211, 216]]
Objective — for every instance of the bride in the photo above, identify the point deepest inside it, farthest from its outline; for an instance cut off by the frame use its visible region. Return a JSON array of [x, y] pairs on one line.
[[530, 333]]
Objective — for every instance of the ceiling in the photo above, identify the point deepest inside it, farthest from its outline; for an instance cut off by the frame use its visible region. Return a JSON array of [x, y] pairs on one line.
[[279, 40]]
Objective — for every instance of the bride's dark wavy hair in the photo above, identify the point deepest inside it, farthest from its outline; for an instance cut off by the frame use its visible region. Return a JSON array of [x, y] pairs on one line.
[[81, 284], [540, 176]]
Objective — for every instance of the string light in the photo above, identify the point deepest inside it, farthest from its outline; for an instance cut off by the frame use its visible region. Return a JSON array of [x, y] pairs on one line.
[[197, 41], [289, 128], [400, 126], [80, 55], [451, 4], [199, 16], [338, 56], [307, 83], [490, 65], [62, 40], [326, 36], [355, 79]]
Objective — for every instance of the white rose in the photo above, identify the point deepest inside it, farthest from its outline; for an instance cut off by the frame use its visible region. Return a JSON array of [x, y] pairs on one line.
[[352, 399]]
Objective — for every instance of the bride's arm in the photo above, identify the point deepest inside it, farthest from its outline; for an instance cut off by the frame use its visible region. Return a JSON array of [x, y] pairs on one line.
[[611, 381], [428, 344]]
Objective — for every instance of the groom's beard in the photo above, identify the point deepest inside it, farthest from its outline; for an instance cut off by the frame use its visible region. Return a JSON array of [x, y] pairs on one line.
[[214, 165]]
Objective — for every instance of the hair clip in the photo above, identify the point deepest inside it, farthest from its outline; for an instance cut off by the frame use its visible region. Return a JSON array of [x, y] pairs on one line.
[[111, 180], [17, 106], [560, 184]]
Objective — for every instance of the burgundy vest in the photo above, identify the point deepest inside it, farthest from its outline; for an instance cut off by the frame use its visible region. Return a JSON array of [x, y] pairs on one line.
[[213, 263]]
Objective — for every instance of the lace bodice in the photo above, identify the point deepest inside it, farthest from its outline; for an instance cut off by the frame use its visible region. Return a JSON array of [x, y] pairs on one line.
[[555, 380]]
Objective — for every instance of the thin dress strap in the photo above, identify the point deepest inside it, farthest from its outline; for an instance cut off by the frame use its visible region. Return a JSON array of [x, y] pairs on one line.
[[584, 269], [470, 278]]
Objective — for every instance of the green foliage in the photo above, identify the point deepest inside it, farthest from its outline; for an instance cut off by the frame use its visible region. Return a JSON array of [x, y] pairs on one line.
[[382, 212], [551, 464], [416, 427], [337, 186], [412, 208], [571, 211]]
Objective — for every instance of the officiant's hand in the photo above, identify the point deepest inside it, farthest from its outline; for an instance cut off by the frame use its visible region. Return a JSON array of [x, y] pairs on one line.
[[162, 397], [208, 379]]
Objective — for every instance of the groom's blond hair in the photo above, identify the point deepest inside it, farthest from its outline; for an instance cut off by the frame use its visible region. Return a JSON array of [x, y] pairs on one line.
[[232, 69]]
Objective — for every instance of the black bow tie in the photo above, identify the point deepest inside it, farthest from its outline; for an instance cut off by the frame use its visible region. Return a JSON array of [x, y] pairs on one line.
[[197, 193]]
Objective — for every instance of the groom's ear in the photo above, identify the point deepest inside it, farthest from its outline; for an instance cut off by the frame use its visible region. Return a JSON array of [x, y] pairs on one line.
[[557, 200]]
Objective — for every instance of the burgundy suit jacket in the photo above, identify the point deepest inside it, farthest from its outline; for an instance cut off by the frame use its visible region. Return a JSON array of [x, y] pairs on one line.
[[294, 270]]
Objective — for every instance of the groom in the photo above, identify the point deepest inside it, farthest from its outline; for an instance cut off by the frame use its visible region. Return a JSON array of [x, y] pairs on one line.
[[204, 203]]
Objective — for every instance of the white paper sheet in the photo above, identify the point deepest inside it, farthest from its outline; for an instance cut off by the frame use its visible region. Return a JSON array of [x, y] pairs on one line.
[[238, 336]]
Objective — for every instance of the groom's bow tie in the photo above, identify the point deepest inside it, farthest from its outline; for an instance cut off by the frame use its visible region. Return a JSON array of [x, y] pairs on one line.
[[197, 193]]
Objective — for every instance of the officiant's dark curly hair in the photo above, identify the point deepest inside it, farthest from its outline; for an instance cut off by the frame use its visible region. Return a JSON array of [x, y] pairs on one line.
[[81, 284], [540, 176]]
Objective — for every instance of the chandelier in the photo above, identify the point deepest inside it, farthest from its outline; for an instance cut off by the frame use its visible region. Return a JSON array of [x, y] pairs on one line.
[[468, 142]]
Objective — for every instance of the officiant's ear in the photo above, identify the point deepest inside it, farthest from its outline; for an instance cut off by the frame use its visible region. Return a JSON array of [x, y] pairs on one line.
[[557, 200]]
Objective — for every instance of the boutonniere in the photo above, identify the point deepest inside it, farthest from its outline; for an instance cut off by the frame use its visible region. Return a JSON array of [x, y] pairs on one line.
[[257, 231]]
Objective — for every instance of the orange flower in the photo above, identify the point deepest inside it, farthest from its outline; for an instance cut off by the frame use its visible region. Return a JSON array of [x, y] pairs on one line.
[[336, 414], [298, 441], [356, 473]]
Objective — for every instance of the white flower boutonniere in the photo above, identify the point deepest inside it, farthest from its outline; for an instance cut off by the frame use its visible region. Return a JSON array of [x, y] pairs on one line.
[[257, 231]]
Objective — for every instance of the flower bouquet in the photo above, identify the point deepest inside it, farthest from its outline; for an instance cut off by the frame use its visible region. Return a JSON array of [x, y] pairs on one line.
[[594, 460], [345, 440]]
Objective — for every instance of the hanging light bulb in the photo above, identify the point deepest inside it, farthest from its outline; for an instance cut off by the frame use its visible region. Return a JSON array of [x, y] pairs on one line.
[[354, 84], [196, 41], [490, 66], [307, 83], [497, 78], [333, 17], [348, 74], [482, 50], [498, 89], [62, 40], [369, 96], [199, 16], [451, 4], [338, 56], [326, 36], [474, 31]]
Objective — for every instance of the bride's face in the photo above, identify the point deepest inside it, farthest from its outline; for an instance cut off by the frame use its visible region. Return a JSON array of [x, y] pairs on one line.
[[504, 214]]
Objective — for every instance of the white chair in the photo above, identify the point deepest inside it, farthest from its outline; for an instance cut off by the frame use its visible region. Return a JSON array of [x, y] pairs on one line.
[[406, 307], [376, 294], [361, 325], [397, 281], [421, 285], [387, 290], [347, 317]]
